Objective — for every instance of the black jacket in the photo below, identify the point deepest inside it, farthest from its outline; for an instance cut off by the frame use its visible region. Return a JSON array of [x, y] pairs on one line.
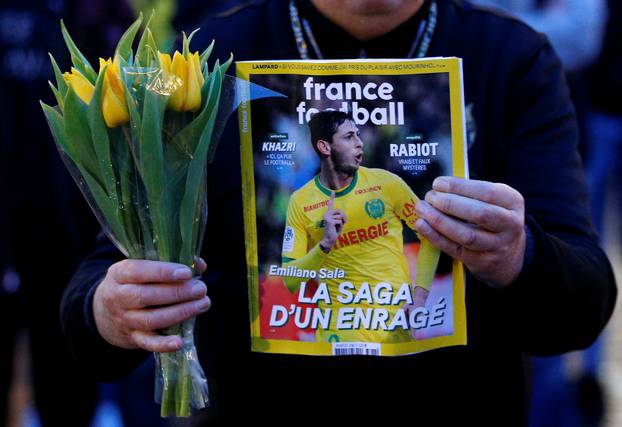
[[525, 135]]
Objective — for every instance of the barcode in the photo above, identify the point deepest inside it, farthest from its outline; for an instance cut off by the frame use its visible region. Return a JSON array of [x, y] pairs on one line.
[[362, 351], [356, 349]]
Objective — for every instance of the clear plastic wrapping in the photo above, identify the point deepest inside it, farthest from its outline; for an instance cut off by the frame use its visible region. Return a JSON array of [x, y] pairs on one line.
[[138, 137]]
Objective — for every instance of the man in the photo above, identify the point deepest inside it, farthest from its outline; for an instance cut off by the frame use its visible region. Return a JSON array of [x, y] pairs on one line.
[[537, 282], [360, 233]]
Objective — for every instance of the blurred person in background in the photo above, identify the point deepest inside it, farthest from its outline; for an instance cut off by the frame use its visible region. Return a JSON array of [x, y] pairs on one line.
[[9, 308], [605, 118], [46, 227], [604, 154], [45, 224], [575, 29]]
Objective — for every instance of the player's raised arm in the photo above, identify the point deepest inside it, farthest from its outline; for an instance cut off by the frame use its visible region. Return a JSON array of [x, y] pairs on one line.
[[334, 220]]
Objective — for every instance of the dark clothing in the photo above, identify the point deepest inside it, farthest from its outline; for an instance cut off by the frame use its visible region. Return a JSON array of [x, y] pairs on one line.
[[526, 136]]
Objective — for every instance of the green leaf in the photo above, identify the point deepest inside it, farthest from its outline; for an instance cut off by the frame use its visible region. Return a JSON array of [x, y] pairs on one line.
[[78, 135], [99, 196], [176, 158], [146, 39], [196, 174], [101, 142], [151, 166], [213, 97], [209, 82], [124, 47], [108, 210], [154, 54], [189, 136], [206, 53], [186, 43], [60, 81], [129, 92], [128, 191], [191, 36], [77, 58], [152, 43], [57, 95], [185, 48], [146, 223], [57, 126], [225, 67], [135, 119]]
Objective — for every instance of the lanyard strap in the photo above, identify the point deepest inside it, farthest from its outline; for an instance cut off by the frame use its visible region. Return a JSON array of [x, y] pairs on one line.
[[418, 48]]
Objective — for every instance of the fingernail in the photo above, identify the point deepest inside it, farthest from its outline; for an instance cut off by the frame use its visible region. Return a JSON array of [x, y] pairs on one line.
[[198, 289], [182, 274], [430, 196], [441, 184], [203, 304], [421, 226], [421, 207], [174, 344]]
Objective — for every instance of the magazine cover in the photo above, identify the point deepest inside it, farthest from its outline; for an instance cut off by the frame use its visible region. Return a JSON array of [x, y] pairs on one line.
[[333, 164]]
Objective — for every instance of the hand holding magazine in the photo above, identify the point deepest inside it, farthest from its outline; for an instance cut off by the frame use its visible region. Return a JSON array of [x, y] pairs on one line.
[[333, 170]]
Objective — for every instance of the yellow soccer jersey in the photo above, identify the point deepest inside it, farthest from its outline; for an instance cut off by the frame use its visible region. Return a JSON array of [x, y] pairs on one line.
[[369, 248]]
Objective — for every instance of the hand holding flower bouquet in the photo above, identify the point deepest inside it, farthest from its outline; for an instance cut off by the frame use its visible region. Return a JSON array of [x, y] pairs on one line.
[[137, 136]]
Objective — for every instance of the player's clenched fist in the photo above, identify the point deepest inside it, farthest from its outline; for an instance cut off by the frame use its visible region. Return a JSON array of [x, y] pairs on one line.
[[137, 298], [334, 220], [480, 223]]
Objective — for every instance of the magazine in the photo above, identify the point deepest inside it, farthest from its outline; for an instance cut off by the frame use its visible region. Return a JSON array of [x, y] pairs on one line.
[[333, 164]]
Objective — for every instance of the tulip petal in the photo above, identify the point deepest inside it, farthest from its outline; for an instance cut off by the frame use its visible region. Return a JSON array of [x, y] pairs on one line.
[[165, 60], [179, 68], [114, 110], [102, 63], [193, 94], [83, 88], [196, 63]]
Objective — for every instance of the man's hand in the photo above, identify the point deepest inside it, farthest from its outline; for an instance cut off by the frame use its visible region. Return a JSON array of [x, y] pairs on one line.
[[334, 220], [480, 223], [137, 298]]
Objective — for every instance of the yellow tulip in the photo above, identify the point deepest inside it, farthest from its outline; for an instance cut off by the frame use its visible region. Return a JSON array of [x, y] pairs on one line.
[[180, 70], [195, 83], [81, 86], [165, 60], [187, 96], [114, 107]]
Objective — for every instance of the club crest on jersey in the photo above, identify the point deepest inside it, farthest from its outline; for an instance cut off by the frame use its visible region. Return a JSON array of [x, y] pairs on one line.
[[288, 239], [374, 208]]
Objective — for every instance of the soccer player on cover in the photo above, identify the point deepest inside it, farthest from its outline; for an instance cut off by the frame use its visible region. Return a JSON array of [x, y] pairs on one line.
[[350, 217]]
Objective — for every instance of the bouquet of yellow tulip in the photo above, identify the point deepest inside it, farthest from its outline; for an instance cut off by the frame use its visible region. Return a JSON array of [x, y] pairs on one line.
[[137, 137]]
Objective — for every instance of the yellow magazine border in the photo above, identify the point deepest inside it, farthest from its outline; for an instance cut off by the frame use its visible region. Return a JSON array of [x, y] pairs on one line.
[[244, 69]]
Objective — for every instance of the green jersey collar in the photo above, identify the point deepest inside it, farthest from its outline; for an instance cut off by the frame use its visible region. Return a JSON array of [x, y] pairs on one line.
[[338, 193]]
